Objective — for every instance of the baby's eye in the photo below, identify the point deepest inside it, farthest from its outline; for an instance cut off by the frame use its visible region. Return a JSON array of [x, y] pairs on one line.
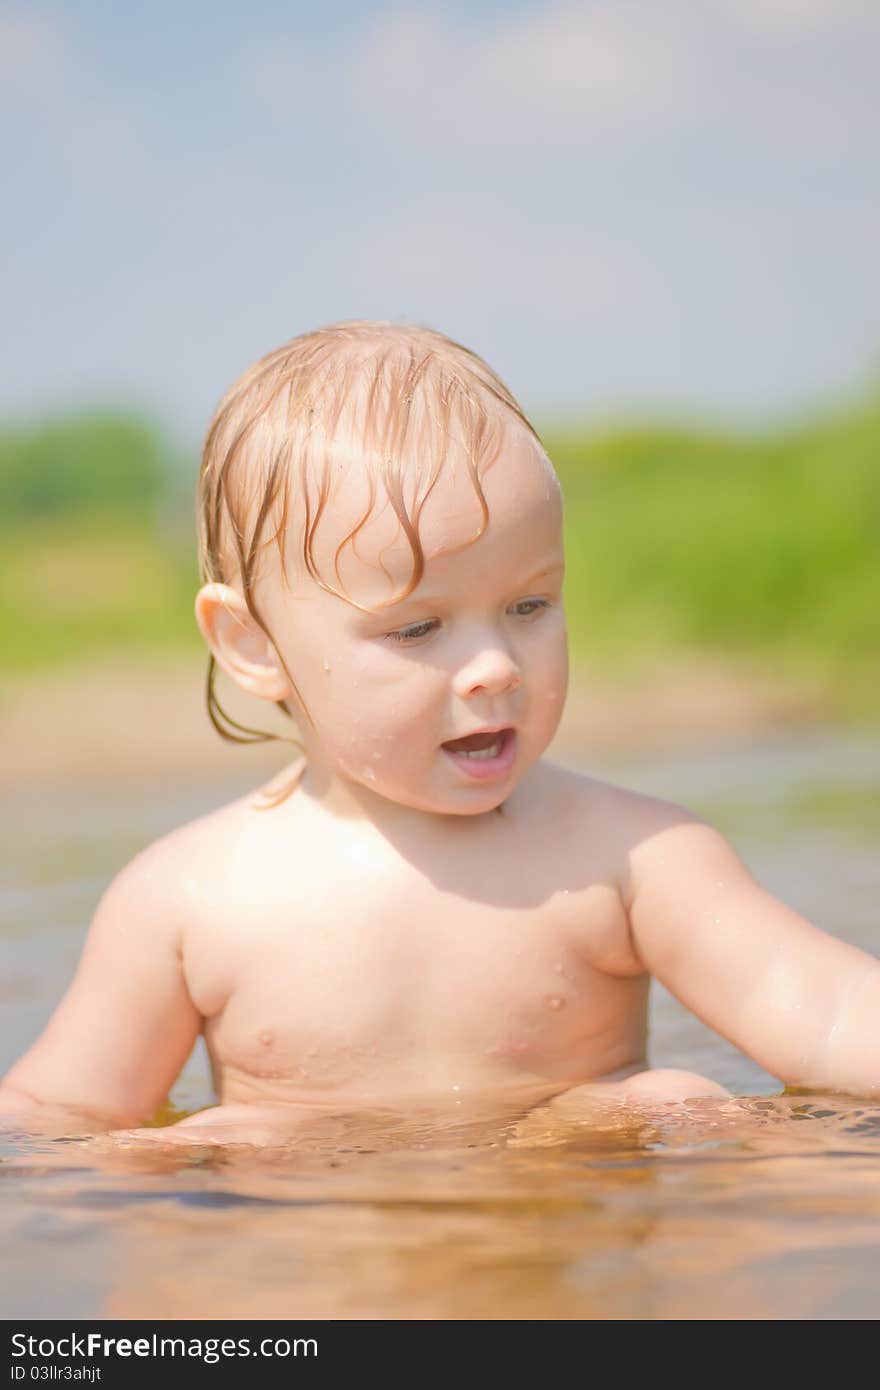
[[534, 603], [410, 634]]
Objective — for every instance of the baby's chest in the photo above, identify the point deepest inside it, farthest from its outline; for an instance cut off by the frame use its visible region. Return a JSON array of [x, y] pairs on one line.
[[377, 970]]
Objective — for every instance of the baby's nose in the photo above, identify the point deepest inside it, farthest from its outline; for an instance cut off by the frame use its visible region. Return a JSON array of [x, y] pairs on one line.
[[492, 671]]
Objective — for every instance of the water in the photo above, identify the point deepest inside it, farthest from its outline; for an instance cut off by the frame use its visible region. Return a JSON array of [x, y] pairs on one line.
[[763, 1207]]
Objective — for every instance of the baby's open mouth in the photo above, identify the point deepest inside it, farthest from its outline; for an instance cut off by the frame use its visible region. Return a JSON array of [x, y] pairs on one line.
[[480, 746]]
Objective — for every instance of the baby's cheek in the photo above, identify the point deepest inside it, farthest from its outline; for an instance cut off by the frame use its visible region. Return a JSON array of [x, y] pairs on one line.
[[375, 754], [384, 716], [409, 706], [552, 687], [374, 740]]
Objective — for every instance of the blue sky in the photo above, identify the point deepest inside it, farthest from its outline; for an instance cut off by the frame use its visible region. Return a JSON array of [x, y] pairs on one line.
[[620, 204]]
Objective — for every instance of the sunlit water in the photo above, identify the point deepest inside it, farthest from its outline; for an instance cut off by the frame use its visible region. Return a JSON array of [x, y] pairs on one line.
[[767, 1206]]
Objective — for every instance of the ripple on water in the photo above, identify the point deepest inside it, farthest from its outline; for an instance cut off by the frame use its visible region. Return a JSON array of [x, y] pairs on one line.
[[687, 1190]]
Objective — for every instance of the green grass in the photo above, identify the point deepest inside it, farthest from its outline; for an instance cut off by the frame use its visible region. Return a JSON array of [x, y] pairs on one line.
[[763, 549], [84, 587]]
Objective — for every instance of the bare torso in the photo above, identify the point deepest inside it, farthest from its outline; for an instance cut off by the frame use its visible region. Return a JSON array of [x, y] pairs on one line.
[[490, 963]]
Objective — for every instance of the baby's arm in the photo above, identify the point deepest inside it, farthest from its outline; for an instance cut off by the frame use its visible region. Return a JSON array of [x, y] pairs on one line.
[[804, 1005], [126, 1025]]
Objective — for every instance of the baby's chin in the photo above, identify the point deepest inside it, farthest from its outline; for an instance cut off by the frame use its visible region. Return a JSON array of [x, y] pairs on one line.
[[455, 802], [461, 801], [459, 808]]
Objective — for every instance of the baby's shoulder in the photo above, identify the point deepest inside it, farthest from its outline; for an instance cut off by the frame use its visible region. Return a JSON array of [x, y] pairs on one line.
[[173, 875], [612, 813], [622, 833]]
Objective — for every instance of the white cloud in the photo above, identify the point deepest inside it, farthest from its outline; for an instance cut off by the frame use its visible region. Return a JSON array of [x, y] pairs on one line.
[[570, 63], [51, 92], [784, 18], [553, 72], [34, 55], [560, 76]]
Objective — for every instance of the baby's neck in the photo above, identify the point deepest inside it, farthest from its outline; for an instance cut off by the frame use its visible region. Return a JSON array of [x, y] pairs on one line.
[[351, 802]]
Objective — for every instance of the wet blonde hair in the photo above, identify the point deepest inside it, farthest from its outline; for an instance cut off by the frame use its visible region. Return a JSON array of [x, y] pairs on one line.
[[398, 391]]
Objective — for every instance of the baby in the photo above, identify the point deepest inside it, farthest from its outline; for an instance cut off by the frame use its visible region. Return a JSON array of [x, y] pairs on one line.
[[423, 913]]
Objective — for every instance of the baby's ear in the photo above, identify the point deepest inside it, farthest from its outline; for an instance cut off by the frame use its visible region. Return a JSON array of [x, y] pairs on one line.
[[239, 644]]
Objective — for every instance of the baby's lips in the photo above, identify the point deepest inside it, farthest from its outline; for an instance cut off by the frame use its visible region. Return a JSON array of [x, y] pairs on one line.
[[480, 740]]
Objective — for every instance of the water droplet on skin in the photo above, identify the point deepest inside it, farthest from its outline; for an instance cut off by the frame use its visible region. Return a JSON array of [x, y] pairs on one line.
[[326, 665], [266, 1037], [555, 1001], [369, 774], [456, 1088]]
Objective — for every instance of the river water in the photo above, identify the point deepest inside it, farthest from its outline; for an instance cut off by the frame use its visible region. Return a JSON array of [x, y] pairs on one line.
[[765, 1207]]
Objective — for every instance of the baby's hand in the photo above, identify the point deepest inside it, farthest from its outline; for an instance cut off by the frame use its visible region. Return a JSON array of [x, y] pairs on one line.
[[259, 1126], [24, 1117]]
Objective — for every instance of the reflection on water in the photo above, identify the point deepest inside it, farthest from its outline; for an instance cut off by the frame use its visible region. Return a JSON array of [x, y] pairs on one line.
[[764, 1206]]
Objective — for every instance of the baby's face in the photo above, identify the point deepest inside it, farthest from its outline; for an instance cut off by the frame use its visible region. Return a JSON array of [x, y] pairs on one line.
[[480, 643]]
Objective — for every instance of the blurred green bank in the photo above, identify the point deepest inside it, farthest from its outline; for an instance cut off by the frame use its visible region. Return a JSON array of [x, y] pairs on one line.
[[754, 548]]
